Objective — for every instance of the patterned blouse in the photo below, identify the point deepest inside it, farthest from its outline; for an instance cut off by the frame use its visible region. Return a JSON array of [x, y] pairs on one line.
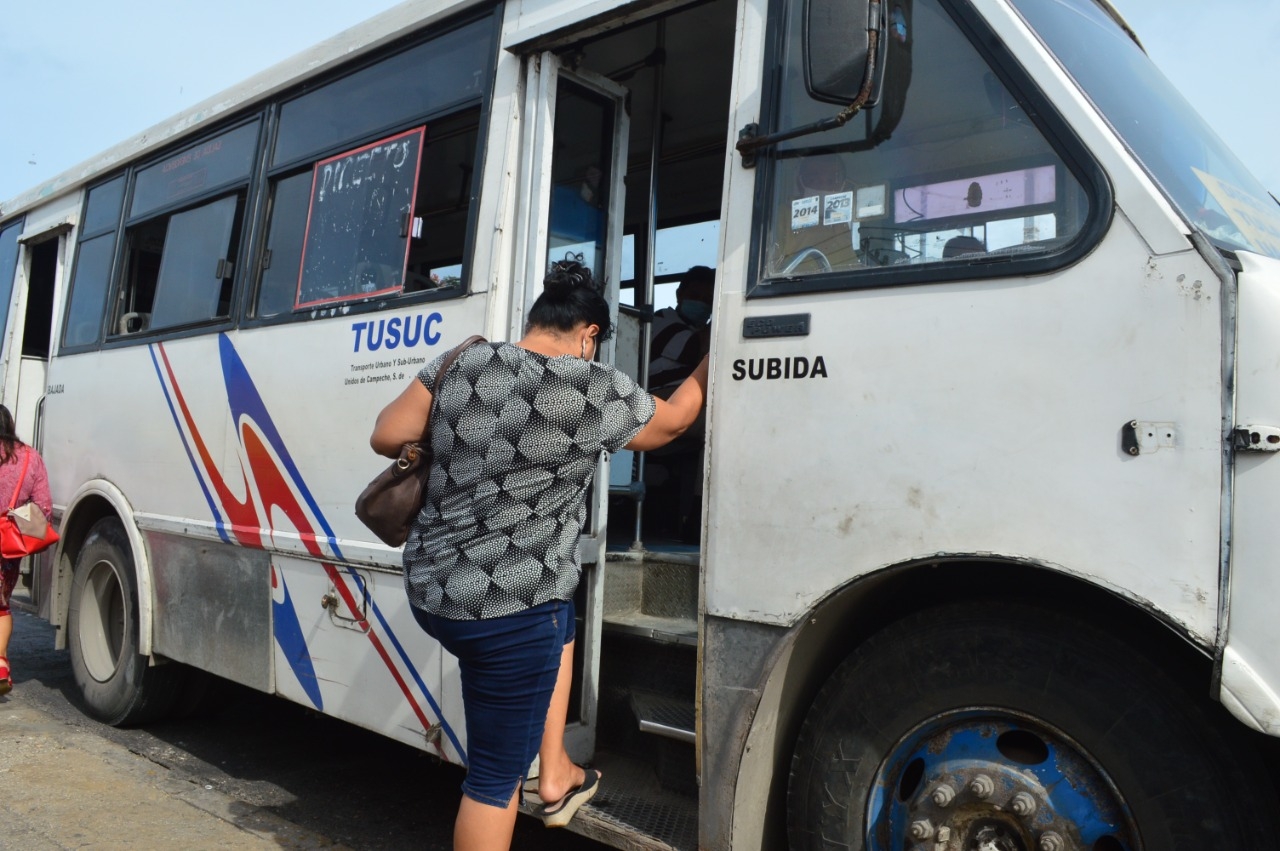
[[516, 437]]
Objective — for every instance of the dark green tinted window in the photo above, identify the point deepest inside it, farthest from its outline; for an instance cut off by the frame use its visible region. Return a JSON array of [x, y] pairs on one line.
[[425, 79], [89, 290], [8, 268], [103, 210], [195, 171]]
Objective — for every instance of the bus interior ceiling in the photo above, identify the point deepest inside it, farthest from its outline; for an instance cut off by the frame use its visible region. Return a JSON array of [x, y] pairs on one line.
[[677, 70]]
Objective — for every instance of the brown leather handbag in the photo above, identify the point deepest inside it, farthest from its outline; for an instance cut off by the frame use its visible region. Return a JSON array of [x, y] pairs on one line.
[[393, 499]]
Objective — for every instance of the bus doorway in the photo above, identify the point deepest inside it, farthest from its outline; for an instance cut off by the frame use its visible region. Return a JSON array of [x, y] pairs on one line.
[[27, 357], [636, 685]]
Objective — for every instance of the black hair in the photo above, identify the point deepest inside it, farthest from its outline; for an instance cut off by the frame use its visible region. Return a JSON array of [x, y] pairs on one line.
[[570, 297], [9, 441], [698, 276]]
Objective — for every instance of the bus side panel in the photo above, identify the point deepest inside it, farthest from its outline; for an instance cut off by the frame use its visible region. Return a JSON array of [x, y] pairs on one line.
[[304, 397], [347, 644], [143, 418]]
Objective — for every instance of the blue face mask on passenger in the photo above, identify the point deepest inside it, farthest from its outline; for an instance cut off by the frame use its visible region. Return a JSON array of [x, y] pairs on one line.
[[694, 312]]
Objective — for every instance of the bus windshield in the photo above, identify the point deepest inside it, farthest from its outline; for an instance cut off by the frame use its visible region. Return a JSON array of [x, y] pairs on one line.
[[1201, 176]]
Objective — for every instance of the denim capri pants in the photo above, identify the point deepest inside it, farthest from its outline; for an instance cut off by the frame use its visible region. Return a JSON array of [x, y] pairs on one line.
[[508, 667]]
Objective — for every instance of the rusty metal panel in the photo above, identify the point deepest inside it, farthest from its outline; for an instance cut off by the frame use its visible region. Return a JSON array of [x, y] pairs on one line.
[[213, 607]]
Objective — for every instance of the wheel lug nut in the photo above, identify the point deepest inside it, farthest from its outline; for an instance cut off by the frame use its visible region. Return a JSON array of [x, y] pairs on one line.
[[1023, 804], [982, 786], [944, 795], [1050, 841], [922, 829]]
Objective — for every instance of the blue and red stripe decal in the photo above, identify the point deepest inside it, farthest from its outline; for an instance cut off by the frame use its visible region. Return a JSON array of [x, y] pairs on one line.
[[281, 491]]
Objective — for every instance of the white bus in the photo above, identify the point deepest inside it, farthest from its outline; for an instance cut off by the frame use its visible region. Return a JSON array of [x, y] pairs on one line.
[[986, 556]]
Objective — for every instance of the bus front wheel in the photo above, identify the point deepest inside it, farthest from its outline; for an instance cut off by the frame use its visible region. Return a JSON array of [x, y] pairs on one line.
[[1004, 726], [118, 685]]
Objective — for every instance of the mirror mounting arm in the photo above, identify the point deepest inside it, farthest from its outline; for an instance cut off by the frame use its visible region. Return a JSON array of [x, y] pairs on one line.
[[749, 142]]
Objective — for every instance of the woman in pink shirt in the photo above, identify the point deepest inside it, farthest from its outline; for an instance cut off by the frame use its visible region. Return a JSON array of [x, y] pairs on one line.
[[32, 487]]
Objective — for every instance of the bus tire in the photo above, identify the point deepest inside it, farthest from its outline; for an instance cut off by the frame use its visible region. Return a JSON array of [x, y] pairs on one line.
[[118, 685], [958, 724]]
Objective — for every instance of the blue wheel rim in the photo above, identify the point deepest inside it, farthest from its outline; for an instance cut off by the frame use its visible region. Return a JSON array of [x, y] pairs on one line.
[[999, 777]]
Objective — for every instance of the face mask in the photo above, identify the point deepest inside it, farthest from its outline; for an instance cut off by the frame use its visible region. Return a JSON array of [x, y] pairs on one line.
[[695, 312]]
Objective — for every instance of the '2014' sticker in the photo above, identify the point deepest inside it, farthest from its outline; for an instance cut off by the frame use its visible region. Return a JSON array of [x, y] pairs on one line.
[[805, 212]]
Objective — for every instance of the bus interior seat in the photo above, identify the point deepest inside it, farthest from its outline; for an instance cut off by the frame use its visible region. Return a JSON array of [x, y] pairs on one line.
[[133, 322]]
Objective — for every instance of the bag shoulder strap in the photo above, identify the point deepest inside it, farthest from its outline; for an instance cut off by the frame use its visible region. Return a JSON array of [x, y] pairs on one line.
[[17, 489], [450, 358]]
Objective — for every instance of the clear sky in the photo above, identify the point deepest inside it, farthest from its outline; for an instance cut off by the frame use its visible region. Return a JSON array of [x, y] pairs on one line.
[[81, 75]]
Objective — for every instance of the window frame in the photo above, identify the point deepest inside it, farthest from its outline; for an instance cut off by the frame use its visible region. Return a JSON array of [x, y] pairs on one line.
[[1057, 133]]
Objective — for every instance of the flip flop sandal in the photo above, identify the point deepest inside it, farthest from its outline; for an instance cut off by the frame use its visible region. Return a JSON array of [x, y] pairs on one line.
[[561, 812]]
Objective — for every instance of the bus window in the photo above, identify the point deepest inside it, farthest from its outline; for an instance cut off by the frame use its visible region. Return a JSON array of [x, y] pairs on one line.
[[92, 273], [8, 267], [440, 203], [424, 99], [443, 204], [949, 152], [179, 265], [359, 218], [448, 70], [178, 268], [195, 171], [278, 285]]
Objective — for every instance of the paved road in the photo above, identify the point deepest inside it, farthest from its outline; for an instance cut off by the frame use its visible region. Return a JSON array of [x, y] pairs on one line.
[[256, 772]]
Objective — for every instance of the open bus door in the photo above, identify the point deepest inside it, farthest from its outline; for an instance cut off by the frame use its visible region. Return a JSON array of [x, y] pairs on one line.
[[577, 153], [32, 265]]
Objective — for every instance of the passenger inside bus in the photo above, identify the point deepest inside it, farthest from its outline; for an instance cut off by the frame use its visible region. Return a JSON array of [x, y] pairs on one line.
[[963, 246], [680, 339]]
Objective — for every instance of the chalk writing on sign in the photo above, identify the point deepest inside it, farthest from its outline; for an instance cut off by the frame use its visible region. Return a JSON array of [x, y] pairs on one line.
[[357, 238]]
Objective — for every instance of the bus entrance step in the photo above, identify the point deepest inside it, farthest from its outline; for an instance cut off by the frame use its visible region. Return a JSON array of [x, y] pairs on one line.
[[668, 630], [665, 716], [633, 810]]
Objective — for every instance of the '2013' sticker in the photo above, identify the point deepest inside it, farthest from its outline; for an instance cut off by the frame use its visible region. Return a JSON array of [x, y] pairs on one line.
[[837, 209]]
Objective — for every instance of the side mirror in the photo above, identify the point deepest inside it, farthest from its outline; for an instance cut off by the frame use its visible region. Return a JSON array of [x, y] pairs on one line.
[[840, 52], [851, 50]]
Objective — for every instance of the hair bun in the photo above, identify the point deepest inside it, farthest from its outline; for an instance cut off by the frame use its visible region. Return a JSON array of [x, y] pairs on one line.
[[568, 275]]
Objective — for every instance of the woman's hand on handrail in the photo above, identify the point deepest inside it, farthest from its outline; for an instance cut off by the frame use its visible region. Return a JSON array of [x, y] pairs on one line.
[[672, 417]]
